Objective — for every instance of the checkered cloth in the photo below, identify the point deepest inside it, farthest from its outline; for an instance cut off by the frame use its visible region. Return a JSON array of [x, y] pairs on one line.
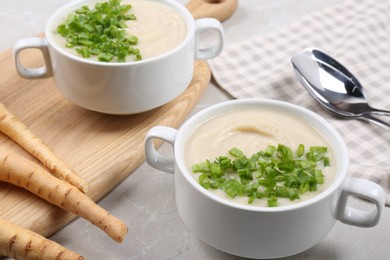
[[357, 34]]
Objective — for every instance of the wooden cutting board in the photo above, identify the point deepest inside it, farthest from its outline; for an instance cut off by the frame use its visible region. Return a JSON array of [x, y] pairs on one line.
[[104, 149]]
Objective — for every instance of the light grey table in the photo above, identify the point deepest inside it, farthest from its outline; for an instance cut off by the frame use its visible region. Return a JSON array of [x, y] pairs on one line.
[[145, 200]]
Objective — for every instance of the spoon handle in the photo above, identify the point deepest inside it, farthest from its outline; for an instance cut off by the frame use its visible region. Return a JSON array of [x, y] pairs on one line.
[[369, 117], [379, 112]]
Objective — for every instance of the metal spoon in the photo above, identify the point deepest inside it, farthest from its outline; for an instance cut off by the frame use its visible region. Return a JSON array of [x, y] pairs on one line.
[[334, 87]]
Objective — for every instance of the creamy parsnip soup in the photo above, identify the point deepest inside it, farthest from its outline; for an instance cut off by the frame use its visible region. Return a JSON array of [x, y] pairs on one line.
[[251, 131], [158, 27], [153, 28]]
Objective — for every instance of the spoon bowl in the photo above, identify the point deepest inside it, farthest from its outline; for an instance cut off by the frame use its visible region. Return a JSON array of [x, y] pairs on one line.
[[334, 87]]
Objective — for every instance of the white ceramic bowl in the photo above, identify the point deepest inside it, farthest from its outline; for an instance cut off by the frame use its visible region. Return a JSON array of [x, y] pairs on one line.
[[261, 232], [122, 88]]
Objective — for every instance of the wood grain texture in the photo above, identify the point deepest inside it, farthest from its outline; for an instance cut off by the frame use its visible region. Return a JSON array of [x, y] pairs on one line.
[[219, 9], [104, 149]]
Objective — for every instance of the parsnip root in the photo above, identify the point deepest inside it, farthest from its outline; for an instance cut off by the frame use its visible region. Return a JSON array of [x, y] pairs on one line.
[[23, 244], [15, 129], [27, 174]]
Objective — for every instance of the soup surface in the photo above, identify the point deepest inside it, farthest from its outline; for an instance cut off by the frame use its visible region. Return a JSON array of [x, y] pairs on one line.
[[251, 131], [158, 27]]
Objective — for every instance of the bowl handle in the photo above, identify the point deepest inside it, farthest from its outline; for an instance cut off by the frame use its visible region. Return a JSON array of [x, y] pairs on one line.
[[214, 48], [365, 189], [152, 156], [32, 43]]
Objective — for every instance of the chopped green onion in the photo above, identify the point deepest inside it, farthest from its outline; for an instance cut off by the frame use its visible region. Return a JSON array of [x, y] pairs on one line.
[[270, 150], [101, 32], [201, 167], [232, 188], [285, 153], [106, 57], [235, 152], [84, 51], [204, 181], [281, 191], [224, 162], [272, 202], [251, 198], [270, 174], [300, 150], [326, 161], [215, 169], [241, 162], [319, 176]]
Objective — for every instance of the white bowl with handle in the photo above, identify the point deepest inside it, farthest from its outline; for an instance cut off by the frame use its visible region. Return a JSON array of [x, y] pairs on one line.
[[262, 232]]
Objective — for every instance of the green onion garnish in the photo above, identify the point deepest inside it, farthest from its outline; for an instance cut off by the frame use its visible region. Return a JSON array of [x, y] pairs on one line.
[[101, 32], [273, 173]]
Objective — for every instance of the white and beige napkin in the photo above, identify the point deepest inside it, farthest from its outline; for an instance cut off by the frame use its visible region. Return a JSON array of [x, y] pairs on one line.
[[357, 34]]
